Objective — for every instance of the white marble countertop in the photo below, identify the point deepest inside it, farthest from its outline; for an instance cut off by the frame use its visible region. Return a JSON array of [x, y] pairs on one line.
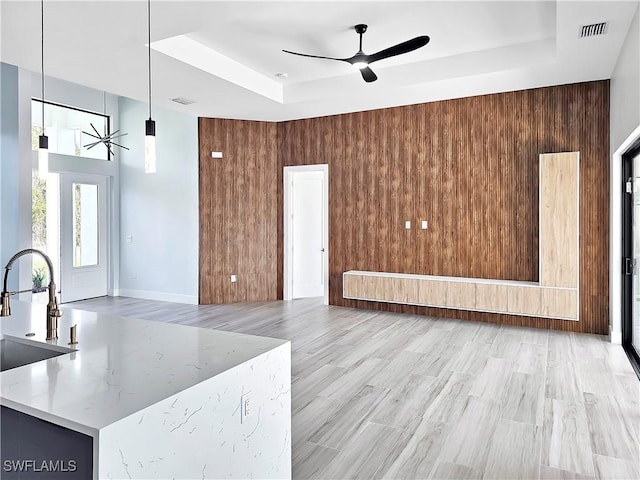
[[121, 365]]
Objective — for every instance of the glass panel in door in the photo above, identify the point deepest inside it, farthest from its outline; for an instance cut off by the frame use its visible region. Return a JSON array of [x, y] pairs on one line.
[[635, 282], [85, 225]]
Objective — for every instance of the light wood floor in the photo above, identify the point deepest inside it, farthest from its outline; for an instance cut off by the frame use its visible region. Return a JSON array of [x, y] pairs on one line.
[[383, 395]]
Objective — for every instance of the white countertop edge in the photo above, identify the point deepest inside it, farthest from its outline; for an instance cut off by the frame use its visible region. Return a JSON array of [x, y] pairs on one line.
[[48, 417]]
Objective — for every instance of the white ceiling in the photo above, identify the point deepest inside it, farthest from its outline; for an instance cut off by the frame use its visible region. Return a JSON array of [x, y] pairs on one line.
[[224, 55]]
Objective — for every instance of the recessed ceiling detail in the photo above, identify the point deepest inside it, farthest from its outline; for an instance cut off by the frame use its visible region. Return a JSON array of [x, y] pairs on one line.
[[194, 53], [225, 53], [594, 30]]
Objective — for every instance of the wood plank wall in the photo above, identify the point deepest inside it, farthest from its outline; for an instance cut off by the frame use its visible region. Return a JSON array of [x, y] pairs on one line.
[[238, 218], [468, 166]]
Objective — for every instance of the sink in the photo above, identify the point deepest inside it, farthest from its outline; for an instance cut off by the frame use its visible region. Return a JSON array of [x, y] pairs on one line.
[[18, 353]]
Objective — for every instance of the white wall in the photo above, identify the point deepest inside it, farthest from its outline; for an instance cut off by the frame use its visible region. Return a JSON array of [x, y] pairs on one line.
[[159, 211], [624, 128], [625, 87]]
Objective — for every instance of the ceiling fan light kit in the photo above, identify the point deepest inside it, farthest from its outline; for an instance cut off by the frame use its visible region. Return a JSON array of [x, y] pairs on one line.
[[362, 61]]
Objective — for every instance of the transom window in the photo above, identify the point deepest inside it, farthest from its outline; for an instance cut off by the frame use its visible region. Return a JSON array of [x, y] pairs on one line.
[[64, 127]]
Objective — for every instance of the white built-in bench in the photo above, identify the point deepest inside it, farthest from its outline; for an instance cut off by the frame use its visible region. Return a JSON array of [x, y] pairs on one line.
[[556, 295]]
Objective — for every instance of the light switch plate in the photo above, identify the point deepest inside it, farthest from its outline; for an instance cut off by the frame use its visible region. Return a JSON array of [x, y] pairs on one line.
[[407, 224], [216, 154], [424, 224], [234, 279], [129, 238]]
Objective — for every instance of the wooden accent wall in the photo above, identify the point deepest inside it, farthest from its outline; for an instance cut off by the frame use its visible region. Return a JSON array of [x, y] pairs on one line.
[[238, 217], [470, 168]]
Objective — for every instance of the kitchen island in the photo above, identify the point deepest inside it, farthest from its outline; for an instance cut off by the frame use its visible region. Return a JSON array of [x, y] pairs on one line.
[[152, 399]]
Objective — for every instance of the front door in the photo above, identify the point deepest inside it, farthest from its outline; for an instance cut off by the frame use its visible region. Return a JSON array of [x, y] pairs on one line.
[[83, 237]]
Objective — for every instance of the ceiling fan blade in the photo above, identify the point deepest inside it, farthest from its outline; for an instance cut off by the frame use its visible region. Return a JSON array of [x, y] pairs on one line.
[[315, 56], [404, 47], [368, 75]]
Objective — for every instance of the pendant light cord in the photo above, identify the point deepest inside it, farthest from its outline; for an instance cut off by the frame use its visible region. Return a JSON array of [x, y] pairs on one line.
[[42, 59], [149, 47]]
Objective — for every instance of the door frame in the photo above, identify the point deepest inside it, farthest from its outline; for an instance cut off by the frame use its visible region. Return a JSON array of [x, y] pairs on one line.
[[627, 253], [288, 227], [616, 197]]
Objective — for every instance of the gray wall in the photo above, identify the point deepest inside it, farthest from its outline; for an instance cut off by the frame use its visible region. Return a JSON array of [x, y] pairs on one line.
[[9, 172], [159, 211]]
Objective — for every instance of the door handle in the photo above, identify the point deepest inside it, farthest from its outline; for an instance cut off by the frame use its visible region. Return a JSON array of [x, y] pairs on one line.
[[628, 266], [322, 249]]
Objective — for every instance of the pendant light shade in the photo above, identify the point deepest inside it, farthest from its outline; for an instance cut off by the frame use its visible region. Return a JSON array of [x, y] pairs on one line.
[[150, 146], [43, 156], [149, 125], [43, 140]]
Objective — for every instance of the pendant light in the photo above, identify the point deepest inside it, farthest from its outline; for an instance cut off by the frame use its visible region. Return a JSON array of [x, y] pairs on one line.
[[149, 125], [43, 140]]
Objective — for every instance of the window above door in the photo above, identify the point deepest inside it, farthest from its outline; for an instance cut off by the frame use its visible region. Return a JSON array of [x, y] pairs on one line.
[[65, 126]]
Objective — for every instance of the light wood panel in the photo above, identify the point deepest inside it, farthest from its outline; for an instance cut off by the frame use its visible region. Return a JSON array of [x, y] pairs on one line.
[[238, 218], [461, 295], [559, 235], [491, 297], [524, 300], [470, 167], [498, 297], [561, 303], [432, 292]]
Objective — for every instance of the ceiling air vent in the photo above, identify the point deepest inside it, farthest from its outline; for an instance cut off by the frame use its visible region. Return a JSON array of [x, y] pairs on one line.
[[182, 101], [594, 30]]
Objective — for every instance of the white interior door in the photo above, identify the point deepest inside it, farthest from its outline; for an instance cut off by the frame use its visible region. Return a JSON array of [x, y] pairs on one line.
[[306, 238], [83, 237]]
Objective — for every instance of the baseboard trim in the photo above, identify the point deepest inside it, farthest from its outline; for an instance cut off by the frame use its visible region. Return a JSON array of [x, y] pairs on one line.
[[615, 337], [160, 296]]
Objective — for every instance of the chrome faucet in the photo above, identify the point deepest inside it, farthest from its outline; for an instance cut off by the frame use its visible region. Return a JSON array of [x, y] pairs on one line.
[[53, 312]]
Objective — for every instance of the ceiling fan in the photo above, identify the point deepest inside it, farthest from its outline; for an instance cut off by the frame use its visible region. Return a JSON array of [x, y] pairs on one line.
[[362, 61]]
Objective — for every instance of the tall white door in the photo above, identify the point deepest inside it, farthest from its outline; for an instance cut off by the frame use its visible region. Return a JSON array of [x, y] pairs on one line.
[[307, 230], [83, 237]]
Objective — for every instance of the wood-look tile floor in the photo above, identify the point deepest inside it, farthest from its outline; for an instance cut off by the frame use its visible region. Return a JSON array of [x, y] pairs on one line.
[[384, 395]]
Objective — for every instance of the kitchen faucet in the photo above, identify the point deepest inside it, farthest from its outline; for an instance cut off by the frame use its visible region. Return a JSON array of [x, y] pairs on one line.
[[53, 312]]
